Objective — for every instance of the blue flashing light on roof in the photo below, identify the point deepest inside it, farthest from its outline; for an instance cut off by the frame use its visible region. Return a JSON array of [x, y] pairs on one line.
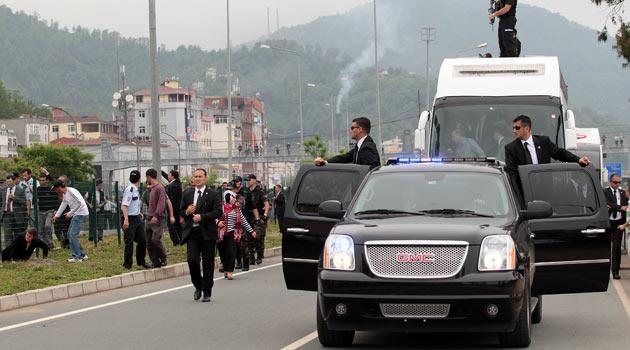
[[406, 161]]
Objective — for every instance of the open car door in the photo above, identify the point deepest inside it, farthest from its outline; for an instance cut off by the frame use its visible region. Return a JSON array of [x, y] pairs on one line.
[[305, 231], [572, 249]]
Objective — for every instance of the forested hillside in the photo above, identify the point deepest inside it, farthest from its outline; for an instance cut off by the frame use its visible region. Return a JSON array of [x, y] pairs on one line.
[[77, 67]]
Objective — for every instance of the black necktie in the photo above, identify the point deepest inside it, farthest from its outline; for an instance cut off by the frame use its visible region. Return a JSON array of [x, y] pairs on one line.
[[198, 195], [528, 156], [356, 155]]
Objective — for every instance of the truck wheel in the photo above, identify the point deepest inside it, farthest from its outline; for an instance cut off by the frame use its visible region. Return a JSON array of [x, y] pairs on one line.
[[537, 314], [521, 336], [330, 338]]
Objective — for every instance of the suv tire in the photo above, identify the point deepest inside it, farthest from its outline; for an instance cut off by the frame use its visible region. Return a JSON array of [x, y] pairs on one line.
[[521, 336], [330, 338], [537, 314]]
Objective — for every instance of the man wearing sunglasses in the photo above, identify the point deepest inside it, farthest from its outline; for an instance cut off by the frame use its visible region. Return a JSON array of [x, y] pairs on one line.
[[364, 153], [617, 202], [534, 149]]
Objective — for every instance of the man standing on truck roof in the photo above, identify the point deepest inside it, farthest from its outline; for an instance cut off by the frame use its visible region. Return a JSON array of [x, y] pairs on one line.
[[534, 149], [507, 23]]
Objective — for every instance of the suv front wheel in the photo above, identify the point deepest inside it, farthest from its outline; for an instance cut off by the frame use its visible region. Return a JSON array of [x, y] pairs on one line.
[[521, 336], [330, 338]]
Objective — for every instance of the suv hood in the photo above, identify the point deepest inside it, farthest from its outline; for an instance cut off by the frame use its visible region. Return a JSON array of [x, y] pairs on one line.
[[471, 230]]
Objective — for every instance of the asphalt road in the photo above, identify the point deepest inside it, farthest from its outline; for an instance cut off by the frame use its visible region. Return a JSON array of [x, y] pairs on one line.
[[255, 311]]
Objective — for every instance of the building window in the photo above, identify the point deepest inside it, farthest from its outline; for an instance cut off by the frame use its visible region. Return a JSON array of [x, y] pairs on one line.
[[220, 119], [142, 114], [172, 98], [71, 128], [142, 130], [163, 128], [237, 133], [162, 113], [139, 99], [55, 128]]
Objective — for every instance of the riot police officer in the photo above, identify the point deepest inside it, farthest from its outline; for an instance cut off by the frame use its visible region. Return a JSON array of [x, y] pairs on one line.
[[507, 23]]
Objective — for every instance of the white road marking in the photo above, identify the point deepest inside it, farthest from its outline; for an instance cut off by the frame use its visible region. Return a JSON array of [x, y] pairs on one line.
[[301, 342], [101, 306], [623, 296]]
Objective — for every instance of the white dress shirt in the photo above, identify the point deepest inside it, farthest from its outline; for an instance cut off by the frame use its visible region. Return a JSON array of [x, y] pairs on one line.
[[616, 215], [75, 201], [198, 193], [531, 148]]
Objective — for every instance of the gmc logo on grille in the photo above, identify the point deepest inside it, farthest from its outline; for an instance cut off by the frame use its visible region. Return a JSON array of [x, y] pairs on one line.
[[415, 258]]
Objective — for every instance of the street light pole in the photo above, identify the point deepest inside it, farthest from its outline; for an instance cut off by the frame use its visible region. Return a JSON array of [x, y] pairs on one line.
[[299, 68], [229, 92], [428, 35], [378, 84], [179, 150], [74, 121], [155, 116]]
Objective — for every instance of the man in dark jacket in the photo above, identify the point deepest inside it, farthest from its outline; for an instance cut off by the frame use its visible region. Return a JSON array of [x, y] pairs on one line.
[[363, 153], [21, 249], [534, 149], [174, 192], [199, 209], [617, 202]]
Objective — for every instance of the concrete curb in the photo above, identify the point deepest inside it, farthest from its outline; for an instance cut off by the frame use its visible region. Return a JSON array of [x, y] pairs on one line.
[[76, 289]]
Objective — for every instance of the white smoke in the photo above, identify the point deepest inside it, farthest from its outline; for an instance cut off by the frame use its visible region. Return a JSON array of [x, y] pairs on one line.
[[388, 39]]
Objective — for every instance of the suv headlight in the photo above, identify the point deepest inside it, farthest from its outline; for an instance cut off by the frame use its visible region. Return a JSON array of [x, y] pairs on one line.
[[498, 253], [339, 253]]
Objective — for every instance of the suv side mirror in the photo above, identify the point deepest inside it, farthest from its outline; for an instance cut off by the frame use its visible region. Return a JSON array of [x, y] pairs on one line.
[[537, 210], [331, 209]]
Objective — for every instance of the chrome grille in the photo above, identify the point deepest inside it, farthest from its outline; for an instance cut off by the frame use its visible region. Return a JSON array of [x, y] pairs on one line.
[[415, 310], [449, 258]]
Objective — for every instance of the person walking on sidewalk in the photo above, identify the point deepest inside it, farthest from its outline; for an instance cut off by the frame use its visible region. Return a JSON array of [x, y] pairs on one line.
[[133, 225], [199, 210], [156, 214], [77, 215]]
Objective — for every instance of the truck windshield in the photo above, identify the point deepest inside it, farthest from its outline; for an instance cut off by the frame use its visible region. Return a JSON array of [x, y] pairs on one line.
[[481, 127], [433, 193]]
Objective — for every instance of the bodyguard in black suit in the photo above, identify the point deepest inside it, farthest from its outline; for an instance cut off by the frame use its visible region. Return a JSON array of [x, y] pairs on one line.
[[174, 193], [617, 202], [200, 207], [534, 149], [363, 153]]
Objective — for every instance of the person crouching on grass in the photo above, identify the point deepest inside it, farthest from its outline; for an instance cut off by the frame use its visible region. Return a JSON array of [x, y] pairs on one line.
[[22, 247]]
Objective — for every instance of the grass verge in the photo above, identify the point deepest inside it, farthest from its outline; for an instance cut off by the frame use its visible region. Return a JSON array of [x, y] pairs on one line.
[[105, 260]]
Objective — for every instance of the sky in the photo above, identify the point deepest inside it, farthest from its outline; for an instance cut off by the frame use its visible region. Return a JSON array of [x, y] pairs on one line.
[[203, 22]]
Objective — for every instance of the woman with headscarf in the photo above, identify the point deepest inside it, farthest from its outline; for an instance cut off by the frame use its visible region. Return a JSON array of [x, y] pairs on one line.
[[233, 229]]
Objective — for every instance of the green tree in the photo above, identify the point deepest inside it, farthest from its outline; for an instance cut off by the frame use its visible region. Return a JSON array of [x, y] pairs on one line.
[[622, 37], [315, 147], [12, 105], [58, 160]]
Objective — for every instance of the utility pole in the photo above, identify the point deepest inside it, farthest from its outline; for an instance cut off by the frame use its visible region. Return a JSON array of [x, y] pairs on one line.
[[229, 92], [268, 25], [155, 115], [332, 123], [277, 20], [428, 34], [378, 85]]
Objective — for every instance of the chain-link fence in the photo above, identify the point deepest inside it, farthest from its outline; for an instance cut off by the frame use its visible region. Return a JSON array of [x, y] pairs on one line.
[[34, 203]]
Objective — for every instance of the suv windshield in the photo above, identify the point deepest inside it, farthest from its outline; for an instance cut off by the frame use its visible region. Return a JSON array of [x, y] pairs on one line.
[[481, 127], [461, 194]]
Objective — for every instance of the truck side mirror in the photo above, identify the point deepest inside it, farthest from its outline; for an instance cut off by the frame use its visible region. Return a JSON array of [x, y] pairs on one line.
[[420, 133], [570, 131], [331, 209]]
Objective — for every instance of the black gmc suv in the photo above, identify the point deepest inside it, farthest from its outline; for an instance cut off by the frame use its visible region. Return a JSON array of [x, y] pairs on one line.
[[449, 246]]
